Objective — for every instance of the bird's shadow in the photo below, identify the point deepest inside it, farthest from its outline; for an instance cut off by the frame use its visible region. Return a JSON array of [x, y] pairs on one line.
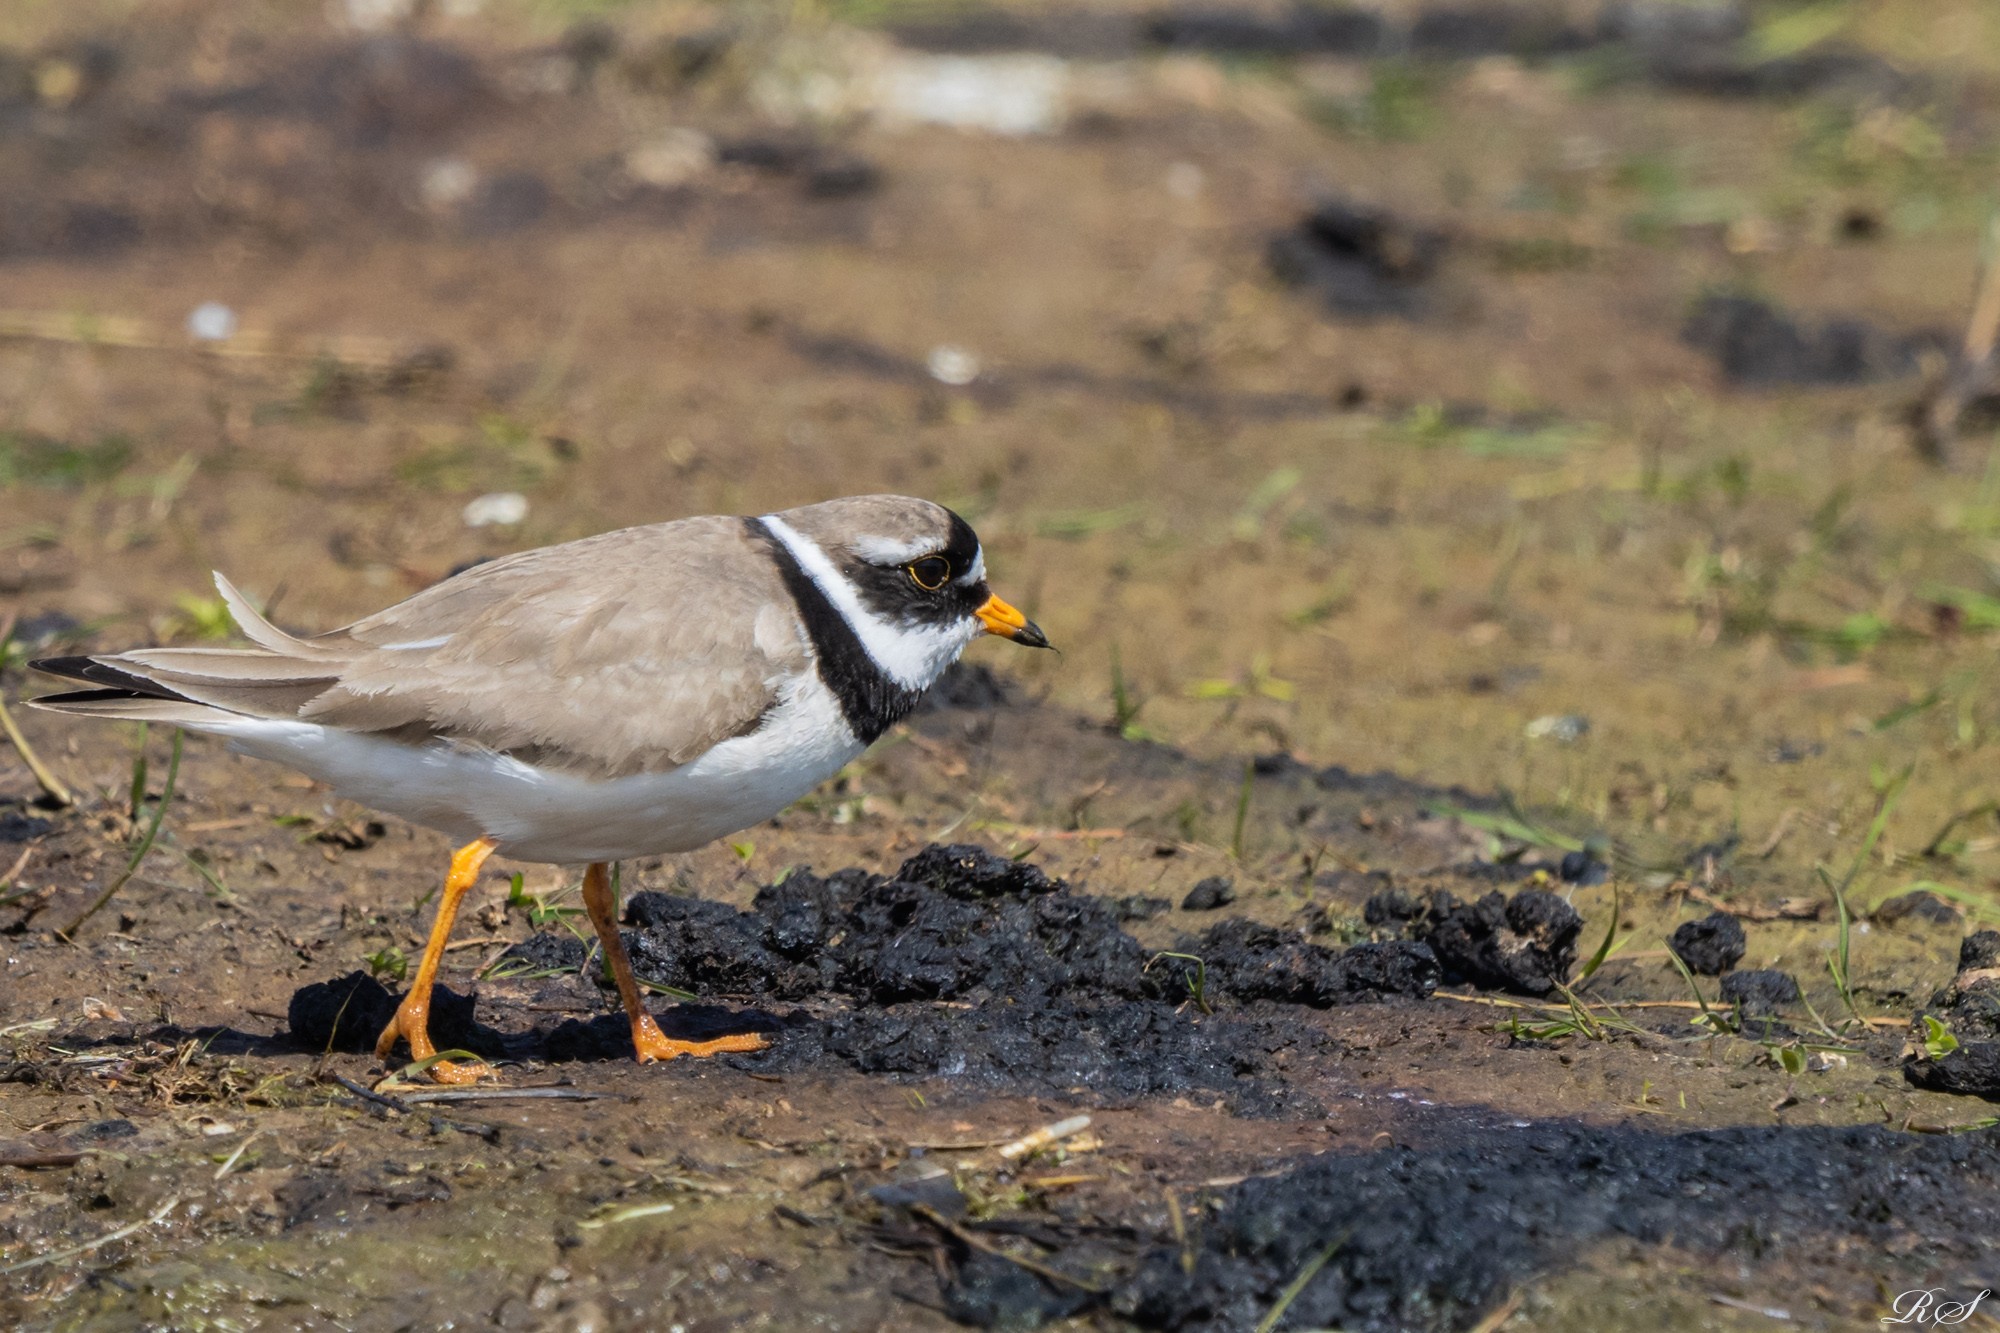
[[348, 1013]]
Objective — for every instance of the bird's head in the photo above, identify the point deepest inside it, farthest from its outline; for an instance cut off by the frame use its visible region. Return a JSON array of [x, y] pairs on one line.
[[907, 574]]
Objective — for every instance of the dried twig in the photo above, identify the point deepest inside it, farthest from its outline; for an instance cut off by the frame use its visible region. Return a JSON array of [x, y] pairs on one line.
[[1501, 1314], [973, 1241], [8, 893], [1788, 909], [503, 1095], [1298, 1284], [402, 1106], [1044, 1137], [371, 1096], [57, 1256], [230, 1163], [1181, 1238], [1768, 1311], [1983, 329], [1011, 1148], [45, 778], [61, 326], [1778, 832], [1501, 1002]]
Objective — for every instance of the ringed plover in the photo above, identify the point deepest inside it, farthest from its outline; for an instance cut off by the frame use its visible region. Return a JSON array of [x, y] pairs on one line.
[[631, 694]]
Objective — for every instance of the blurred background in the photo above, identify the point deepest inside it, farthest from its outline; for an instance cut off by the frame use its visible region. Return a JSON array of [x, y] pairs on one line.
[[1458, 445], [1565, 399]]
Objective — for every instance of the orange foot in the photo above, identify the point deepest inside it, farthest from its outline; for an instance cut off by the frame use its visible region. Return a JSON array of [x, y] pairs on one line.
[[412, 1024], [652, 1044]]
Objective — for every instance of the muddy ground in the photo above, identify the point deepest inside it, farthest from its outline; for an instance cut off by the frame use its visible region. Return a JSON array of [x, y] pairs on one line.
[[1463, 453]]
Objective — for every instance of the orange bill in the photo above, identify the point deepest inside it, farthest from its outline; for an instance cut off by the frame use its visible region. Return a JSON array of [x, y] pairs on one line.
[[1002, 619]]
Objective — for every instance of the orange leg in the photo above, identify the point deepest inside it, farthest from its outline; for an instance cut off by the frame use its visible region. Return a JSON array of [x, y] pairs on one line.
[[647, 1040], [413, 1015]]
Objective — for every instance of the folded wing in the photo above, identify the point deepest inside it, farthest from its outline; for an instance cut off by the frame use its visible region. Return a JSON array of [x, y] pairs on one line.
[[632, 651]]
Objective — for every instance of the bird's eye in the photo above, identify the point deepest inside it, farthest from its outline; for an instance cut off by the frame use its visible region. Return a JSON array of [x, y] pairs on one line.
[[930, 572]]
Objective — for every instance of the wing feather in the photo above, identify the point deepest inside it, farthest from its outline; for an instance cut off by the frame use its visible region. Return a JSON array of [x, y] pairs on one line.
[[635, 650], [632, 651]]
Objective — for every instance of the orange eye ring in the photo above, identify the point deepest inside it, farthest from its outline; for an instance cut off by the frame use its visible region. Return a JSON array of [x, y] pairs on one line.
[[929, 573]]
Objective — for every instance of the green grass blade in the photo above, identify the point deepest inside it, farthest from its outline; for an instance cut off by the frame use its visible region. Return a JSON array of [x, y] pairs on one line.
[[1603, 950]]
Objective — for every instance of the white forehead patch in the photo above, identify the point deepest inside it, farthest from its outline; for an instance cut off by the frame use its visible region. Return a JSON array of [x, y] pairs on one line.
[[884, 551], [977, 572]]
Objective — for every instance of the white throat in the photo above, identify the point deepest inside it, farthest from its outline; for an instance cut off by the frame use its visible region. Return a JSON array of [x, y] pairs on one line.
[[913, 656]]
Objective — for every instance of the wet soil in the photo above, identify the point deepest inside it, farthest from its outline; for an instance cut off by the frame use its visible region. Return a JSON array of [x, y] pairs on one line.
[[1420, 1237], [1461, 452]]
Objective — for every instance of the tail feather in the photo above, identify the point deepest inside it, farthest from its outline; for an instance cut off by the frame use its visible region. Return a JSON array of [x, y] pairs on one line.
[[226, 665], [104, 672], [280, 694], [128, 707], [261, 631], [254, 682]]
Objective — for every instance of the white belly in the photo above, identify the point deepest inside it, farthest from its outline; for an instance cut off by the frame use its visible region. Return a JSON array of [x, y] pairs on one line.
[[538, 815]]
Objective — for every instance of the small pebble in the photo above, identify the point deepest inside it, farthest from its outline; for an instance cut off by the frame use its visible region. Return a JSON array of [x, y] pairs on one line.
[[499, 509], [447, 183], [212, 322], [1564, 728], [953, 365], [674, 158]]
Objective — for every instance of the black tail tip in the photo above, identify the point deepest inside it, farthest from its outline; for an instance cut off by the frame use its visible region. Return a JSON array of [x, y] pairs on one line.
[[72, 667]]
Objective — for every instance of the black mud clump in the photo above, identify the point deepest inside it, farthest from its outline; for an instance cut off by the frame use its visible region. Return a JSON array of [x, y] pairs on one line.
[[1760, 993], [1140, 907], [988, 1291], [1250, 962], [1710, 946], [348, 1013], [1755, 343], [1582, 869], [17, 827], [963, 964], [1238, 31], [822, 171], [1394, 909], [695, 944], [1917, 907], [973, 872], [1525, 944], [1709, 50], [1954, 1043], [1426, 1239], [1359, 260], [541, 954], [1209, 894]]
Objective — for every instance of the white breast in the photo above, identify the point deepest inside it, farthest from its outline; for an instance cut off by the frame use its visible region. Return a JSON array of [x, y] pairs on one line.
[[539, 815]]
